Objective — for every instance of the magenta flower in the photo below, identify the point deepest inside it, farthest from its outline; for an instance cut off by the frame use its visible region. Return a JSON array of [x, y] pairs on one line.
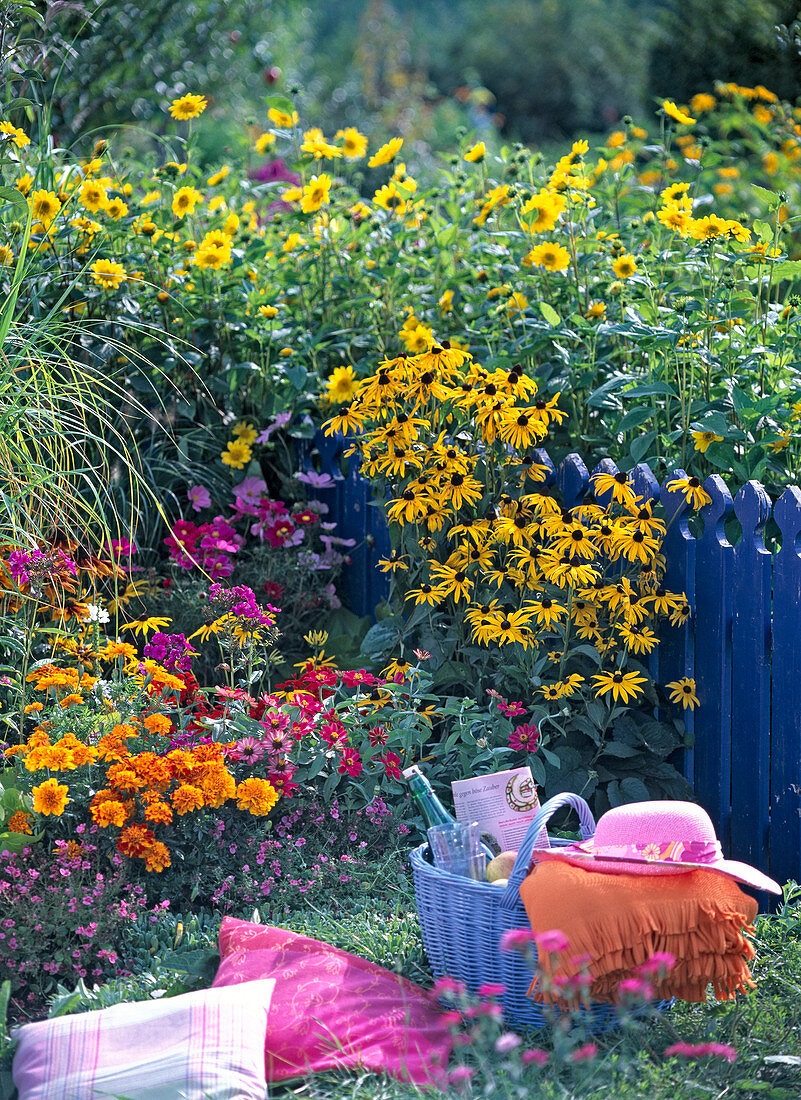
[[585, 1053], [249, 750], [535, 1057], [350, 763], [491, 989], [693, 1051], [659, 964], [514, 939], [447, 987], [553, 940], [524, 738], [635, 988], [511, 709], [199, 496]]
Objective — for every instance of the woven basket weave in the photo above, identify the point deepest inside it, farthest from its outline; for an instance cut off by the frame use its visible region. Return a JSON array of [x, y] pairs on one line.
[[463, 920]]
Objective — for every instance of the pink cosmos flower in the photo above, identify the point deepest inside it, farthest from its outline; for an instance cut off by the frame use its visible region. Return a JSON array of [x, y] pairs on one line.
[[524, 738], [281, 421], [248, 494], [199, 496], [511, 709], [315, 480], [506, 1042]]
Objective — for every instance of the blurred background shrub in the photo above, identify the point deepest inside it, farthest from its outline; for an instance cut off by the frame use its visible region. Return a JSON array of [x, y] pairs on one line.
[[536, 70]]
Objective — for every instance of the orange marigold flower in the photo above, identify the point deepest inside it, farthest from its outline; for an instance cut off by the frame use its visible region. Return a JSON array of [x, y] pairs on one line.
[[20, 822], [157, 723], [50, 797], [111, 748], [124, 778], [136, 841], [158, 857], [112, 812], [123, 731], [218, 786], [32, 708], [187, 798], [159, 813], [257, 796]]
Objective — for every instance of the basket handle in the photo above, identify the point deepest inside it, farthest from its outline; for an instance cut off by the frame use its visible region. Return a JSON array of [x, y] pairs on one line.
[[537, 837]]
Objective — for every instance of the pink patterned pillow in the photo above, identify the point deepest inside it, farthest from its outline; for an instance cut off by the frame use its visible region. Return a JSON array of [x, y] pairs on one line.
[[202, 1044], [333, 1010]]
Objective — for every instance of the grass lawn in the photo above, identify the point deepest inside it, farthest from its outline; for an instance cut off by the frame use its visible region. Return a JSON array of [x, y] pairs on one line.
[[379, 922]]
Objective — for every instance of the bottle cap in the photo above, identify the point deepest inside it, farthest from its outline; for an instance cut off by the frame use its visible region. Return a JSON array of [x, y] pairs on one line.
[[413, 769]]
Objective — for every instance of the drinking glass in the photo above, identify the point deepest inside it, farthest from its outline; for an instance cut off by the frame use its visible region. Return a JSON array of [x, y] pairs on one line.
[[456, 847]]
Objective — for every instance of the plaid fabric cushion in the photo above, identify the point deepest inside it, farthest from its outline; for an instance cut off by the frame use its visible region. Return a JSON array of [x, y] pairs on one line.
[[208, 1044]]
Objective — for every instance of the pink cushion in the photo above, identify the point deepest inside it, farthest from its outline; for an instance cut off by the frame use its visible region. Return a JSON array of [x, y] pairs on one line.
[[202, 1044], [333, 1010]]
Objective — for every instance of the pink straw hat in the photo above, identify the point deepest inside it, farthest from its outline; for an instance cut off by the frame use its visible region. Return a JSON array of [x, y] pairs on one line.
[[656, 838]]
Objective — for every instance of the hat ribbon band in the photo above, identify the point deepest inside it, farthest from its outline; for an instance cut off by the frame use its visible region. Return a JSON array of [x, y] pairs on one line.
[[675, 851]]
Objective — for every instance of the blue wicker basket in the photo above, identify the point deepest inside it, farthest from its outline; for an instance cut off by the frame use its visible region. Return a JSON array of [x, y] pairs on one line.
[[463, 920]]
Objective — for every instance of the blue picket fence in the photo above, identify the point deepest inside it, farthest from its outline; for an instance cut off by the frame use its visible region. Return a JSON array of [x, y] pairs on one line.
[[742, 644]]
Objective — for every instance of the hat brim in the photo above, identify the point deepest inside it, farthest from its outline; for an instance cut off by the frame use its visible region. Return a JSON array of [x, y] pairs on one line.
[[640, 865]]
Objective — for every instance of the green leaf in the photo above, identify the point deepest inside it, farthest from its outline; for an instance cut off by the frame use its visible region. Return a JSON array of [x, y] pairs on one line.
[[652, 388], [641, 445], [635, 417], [772, 198], [550, 314], [634, 790], [280, 103]]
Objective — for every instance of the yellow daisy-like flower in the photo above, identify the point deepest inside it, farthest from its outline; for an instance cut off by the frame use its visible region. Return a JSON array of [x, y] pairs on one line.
[[185, 200], [551, 256], [116, 208], [108, 274], [45, 205], [386, 154], [282, 119], [6, 255], [624, 266], [683, 691], [704, 440], [14, 135], [245, 432], [354, 143], [694, 492], [316, 193], [622, 685], [143, 626], [263, 142], [93, 196], [342, 385], [188, 106], [676, 113], [237, 454], [476, 153]]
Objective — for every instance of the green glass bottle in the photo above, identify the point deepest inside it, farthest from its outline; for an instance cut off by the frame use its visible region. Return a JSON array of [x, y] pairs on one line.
[[434, 813]]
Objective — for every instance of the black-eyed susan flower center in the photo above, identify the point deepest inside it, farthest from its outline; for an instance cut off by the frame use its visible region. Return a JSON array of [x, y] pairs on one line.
[[457, 480], [621, 478]]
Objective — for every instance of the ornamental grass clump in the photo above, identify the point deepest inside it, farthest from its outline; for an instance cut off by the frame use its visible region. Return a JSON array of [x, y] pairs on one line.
[[503, 585]]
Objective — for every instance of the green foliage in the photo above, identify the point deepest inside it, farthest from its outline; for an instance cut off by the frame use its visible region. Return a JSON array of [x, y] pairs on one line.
[[554, 66]]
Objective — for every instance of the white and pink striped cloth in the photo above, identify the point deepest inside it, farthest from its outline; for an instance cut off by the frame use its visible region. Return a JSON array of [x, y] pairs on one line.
[[195, 1046]]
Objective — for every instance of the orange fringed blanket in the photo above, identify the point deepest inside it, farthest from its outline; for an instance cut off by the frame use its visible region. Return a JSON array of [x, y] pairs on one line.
[[617, 922]]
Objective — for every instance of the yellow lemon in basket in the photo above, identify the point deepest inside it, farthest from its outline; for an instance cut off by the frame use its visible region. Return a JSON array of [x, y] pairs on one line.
[[501, 866]]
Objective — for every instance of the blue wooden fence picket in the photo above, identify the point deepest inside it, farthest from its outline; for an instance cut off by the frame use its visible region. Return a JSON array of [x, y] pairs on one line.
[[742, 643]]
